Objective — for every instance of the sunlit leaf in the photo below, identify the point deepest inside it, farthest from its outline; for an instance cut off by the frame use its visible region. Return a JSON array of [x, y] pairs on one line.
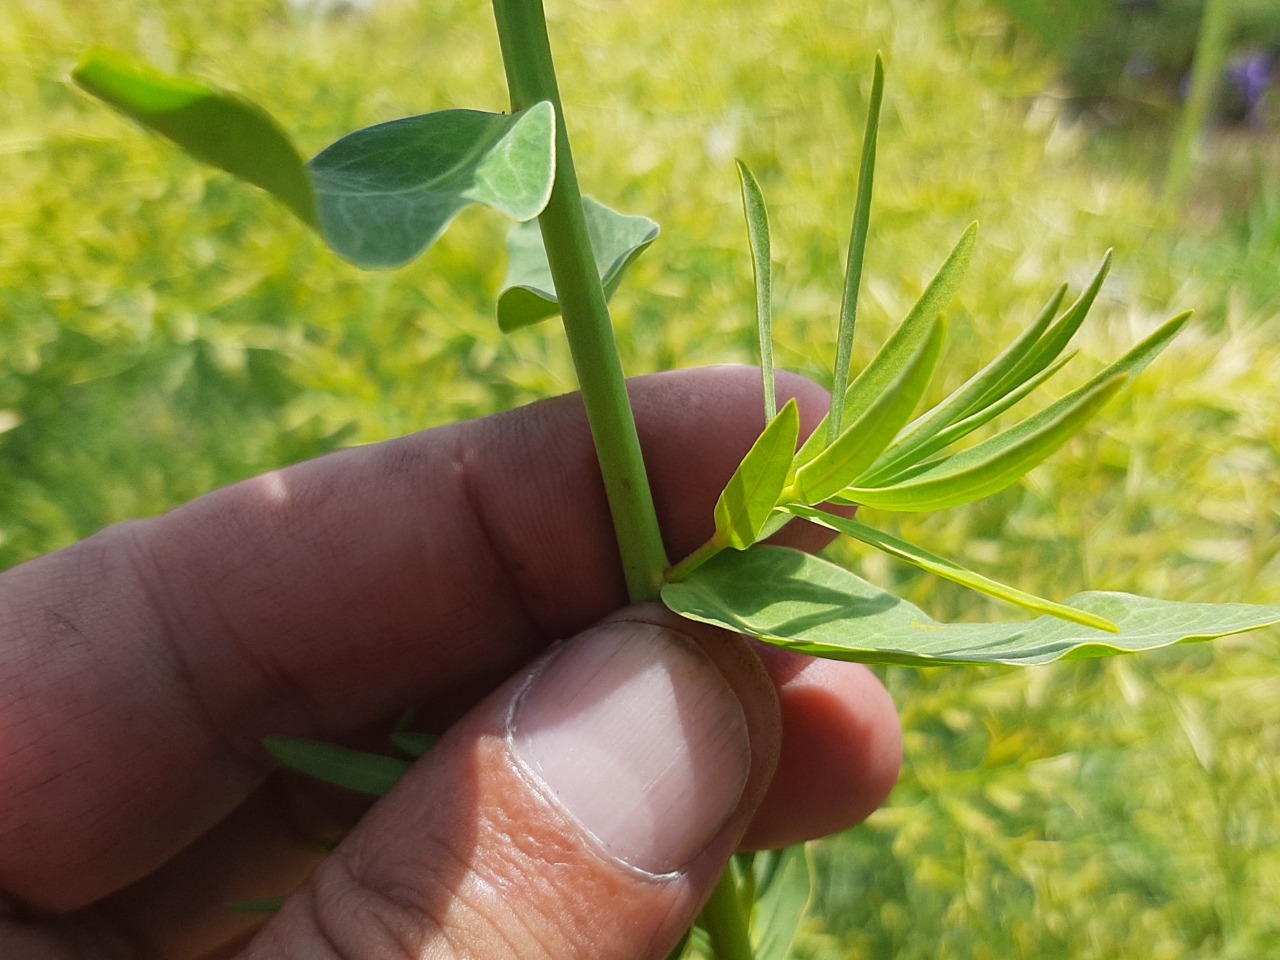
[[856, 256], [958, 406], [871, 432], [218, 128], [995, 463], [783, 886], [897, 351], [379, 196], [752, 491], [528, 292], [812, 606], [988, 467], [762, 268], [948, 569], [369, 773], [387, 192]]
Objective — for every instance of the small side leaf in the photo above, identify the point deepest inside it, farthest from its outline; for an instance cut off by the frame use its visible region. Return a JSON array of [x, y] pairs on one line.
[[873, 430], [857, 254], [369, 773], [898, 350], [762, 268], [752, 492], [812, 606], [784, 887], [217, 128], [528, 293], [387, 192], [948, 569]]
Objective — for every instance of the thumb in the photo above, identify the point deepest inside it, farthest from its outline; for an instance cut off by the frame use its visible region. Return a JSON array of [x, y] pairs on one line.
[[584, 809]]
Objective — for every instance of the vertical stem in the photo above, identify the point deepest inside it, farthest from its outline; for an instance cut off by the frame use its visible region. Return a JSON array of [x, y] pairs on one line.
[[1206, 72], [526, 55]]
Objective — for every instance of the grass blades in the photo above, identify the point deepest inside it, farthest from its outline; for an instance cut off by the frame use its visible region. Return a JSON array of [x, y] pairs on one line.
[[368, 773], [809, 605], [836, 467], [949, 569], [757, 216], [752, 492], [857, 255]]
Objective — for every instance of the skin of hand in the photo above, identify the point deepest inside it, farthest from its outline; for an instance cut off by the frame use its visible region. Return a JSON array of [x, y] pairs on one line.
[[587, 794]]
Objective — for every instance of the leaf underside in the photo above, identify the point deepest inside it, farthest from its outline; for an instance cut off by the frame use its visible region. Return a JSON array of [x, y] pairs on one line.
[[528, 292], [378, 197], [810, 605]]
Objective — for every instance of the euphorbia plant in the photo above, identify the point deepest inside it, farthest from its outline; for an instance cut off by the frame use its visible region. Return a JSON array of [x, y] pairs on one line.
[[380, 196]]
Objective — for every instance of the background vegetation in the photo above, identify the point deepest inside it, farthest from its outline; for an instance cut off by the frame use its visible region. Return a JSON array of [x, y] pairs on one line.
[[164, 331]]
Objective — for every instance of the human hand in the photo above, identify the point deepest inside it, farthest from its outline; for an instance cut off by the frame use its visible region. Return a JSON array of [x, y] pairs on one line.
[[584, 799]]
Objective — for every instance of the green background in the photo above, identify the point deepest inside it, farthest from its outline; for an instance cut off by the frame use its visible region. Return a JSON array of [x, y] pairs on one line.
[[164, 331]]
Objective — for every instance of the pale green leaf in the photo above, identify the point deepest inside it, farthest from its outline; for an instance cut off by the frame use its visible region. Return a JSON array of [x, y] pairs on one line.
[[369, 773], [948, 569], [995, 463], [752, 492], [857, 255], [783, 883], [387, 192], [812, 606], [218, 128], [836, 467], [528, 292], [897, 351], [762, 268], [921, 432], [988, 467]]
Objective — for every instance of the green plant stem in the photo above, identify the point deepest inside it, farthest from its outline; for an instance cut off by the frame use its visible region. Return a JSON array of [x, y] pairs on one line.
[[696, 559], [726, 919], [526, 54], [1206, 71]]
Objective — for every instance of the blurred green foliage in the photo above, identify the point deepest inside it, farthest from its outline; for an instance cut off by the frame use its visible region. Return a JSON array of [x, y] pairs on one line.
[[164, 331]]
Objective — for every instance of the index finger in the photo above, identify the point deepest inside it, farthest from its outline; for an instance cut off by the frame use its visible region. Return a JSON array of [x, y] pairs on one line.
[[139, 669]]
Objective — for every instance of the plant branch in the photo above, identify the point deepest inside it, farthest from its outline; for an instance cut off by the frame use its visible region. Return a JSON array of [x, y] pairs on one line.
[[526, 54]]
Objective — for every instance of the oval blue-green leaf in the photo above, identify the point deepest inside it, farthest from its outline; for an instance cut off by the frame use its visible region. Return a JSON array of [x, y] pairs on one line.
[[812, 606], [529, 294], [387, 192]]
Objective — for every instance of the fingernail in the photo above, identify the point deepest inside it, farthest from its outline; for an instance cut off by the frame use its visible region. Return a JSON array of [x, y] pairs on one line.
[[637, 737]]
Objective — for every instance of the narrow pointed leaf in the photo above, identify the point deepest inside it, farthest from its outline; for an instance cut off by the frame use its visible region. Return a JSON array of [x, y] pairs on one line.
[[988, 467], [762, 269], [901, 458], [897, 351], [268, 905], [869, 434], [857, 255], [1054, 341], [783, 887], [995, 463], [812, 606], [217, 128], [387, 192], [959, 405], [369, 773], [753, 490], [528, 292], [949, 569]]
